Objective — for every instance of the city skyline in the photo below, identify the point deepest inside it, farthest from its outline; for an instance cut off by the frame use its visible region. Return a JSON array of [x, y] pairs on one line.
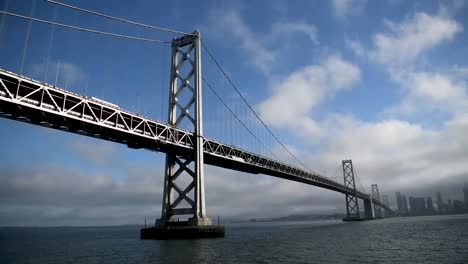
[[426, 205]]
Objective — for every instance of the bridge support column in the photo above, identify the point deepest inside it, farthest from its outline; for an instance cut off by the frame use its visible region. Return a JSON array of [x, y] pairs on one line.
[[352, 204], [376, 195], [184, 183], [369, 209]]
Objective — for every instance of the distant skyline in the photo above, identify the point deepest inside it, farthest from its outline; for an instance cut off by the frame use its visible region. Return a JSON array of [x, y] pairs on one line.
[[384, 83], [410, 205]]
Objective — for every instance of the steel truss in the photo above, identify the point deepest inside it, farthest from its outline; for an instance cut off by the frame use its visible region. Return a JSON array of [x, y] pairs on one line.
[[31, 101], [352, 204]]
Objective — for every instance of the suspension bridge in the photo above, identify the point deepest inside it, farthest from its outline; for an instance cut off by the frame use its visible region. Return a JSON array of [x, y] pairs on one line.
[[181, 137]]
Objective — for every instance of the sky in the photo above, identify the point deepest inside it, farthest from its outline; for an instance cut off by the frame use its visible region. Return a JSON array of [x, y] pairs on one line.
[[384, 83]]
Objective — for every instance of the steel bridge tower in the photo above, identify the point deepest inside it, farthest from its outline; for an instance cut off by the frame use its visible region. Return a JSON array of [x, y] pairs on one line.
[[185, 105], [185, 109], [352, 204]]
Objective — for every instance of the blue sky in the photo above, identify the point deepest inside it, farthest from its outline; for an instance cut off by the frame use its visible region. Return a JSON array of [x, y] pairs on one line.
[[381, 82]]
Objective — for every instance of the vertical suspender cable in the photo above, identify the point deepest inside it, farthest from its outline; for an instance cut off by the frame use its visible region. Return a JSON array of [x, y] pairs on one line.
[[106, 69], [49, 48], [162, 86], [2, 22], [147, 90], [139, 88], [57, 73], [26, 39]]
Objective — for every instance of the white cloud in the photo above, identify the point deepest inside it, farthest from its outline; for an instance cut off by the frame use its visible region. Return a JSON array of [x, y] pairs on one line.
[[429, 91], [437, 89], [98, 152], [398, 154], [295, 97], [398, 50], [66, 73], [279, 30], [51, 184], [460, 71], [258, 45], [343, 8], [356, 47], [407, 40], [262, 57]]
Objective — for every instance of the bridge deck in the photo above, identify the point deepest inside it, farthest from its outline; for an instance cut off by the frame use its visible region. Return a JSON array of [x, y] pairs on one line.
[[27, 100]]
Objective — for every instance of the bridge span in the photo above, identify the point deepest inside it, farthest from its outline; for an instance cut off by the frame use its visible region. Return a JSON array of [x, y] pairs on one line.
[[35, 102]]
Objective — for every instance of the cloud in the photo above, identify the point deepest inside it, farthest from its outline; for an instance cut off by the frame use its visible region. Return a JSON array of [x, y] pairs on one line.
[[401, 155], [98, 152], [356, 46], [66, 73], [460, 71], [258, 45], [282, 30], [59, 195], [344, 8], [304, 90], [405, 41], [430, 91], [56, 185], [251, 195], [398, 154], [398, 50], [262, 57], [50, 194]]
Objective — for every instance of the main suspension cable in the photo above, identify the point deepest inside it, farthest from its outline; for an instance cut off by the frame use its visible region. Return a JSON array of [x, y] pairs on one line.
[[84, 29], [117, 18]]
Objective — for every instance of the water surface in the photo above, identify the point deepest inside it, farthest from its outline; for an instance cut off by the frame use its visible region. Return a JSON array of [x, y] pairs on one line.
[[434, 239]]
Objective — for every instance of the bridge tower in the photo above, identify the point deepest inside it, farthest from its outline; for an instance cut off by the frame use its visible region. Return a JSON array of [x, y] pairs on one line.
[[376, 195], [352, 204], [185, 111], [185, 105]]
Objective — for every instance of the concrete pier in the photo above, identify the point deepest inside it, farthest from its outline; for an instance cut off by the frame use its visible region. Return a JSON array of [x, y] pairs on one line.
[[354, 219], [181, 230]]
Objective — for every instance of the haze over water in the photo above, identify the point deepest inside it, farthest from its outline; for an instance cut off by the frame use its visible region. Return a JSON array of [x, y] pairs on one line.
[[434, 239]]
